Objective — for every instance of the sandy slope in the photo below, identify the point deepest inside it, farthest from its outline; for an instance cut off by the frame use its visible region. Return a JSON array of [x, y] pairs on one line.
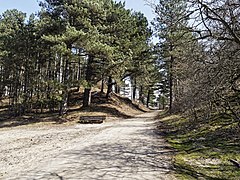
[[125, 149]]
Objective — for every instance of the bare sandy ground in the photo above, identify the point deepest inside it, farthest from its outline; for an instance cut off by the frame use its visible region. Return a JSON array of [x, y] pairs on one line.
[[124, 149]]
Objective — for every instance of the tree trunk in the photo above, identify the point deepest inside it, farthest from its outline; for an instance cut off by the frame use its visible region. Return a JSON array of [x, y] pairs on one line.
[[134, 88], [87, 97], [1, 82], [25, 91], [102, 85], [171, 82], [109, 89], [141, 97], [79, 70], [148, 98], [162, 102], [117, 89], [88, 78], [64, 102]]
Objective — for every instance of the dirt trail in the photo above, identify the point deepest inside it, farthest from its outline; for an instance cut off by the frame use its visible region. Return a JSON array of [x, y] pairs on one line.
[[125, 149]]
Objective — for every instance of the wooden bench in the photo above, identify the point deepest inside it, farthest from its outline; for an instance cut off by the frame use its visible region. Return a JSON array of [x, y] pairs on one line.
[[91, 119]]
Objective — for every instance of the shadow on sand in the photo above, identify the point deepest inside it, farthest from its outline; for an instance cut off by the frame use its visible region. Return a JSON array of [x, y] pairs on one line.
[[146, 156]]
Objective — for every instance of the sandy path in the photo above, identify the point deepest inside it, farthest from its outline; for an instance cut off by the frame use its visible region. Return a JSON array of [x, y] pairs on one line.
[[126, 149]]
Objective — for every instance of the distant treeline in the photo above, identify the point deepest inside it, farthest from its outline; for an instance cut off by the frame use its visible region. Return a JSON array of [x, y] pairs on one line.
[[69, 44]]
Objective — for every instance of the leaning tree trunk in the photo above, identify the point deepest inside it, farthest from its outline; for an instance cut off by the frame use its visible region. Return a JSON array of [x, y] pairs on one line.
[[88, 78]]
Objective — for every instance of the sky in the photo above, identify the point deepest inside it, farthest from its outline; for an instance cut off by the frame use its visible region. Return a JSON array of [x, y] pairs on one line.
[[26, 6], [31, 6], [139, 5]]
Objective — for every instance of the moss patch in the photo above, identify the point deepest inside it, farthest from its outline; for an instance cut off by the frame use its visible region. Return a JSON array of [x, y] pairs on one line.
[[205, 147]]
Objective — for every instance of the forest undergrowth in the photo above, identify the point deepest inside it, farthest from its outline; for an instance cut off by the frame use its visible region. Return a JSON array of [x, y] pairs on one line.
[[206, 148], [113, 107]]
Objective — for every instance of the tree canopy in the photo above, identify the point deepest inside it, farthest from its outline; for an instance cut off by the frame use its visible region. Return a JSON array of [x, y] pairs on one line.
[[202, 40], [71, 44]]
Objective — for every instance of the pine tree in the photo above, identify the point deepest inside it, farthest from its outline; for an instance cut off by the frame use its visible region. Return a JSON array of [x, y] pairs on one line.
[[13, 58], [171, 25]]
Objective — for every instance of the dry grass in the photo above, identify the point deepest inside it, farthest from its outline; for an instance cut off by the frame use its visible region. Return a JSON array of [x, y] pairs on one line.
[[113, 108]]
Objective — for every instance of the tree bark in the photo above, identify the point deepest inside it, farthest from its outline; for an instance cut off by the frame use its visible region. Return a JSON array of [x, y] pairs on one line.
[[102, 85], [109, 89], [66, 78], [171, 82], [87, 97], [117, 89], [134, 88], [148, 98], [141, 97], [88, 78], [64, 103]]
